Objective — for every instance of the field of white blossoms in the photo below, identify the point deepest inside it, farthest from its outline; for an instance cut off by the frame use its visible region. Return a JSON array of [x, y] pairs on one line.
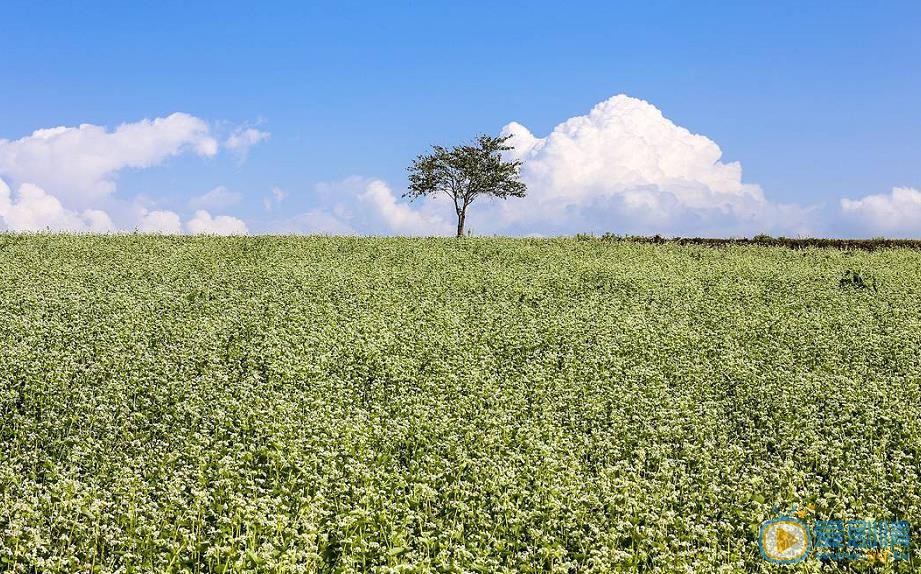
[[282, 404]]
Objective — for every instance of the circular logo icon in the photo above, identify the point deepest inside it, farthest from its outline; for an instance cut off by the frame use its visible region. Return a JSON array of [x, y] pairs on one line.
[[784, 540]]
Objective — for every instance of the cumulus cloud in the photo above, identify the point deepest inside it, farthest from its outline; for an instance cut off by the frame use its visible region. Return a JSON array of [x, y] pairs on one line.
[[216, 198], [204, 223], [80, 164], [362, 205], [397, 215], [63, 175], [622, 167], [241, 140], [625, 167], [159, 221], [895, 213], [33, 209]]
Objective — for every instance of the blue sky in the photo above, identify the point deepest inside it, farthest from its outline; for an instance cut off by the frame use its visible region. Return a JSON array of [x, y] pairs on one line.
[[818, 102]]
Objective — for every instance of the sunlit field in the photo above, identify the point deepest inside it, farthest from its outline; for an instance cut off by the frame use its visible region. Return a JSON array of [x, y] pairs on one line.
[[279, 404]]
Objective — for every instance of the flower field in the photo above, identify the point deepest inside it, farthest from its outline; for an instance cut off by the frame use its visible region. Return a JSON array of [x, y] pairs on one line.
[[285, 404]]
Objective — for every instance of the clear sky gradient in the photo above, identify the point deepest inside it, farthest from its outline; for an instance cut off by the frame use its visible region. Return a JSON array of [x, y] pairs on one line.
[[816, 101]]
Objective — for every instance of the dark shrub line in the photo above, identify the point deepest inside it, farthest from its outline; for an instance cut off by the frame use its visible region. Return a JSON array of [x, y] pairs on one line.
[[766, 241]]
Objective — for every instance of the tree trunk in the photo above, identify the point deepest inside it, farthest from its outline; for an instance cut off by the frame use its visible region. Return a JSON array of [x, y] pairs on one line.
[[460, 222]]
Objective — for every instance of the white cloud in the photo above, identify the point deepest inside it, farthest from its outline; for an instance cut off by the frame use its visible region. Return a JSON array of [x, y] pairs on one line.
[[278, 196], [319, 222], [398, 216], [241, 140], [33, 209], [625, 167], [204, 223], [217, 198], [158, 221], [895, 213], [80, 164], [97, 221], [368, 206]]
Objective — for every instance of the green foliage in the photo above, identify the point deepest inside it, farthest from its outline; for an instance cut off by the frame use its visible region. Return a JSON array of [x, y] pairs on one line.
[[280, 404]]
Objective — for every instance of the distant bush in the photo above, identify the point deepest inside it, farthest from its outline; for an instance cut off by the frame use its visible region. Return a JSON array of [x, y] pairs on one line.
[[855, 280]]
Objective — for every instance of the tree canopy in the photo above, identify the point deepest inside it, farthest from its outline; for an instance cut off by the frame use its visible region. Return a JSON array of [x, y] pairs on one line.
[[465, 173]]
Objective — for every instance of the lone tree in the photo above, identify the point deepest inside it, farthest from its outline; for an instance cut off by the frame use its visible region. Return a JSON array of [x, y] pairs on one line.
[[466, 172]]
